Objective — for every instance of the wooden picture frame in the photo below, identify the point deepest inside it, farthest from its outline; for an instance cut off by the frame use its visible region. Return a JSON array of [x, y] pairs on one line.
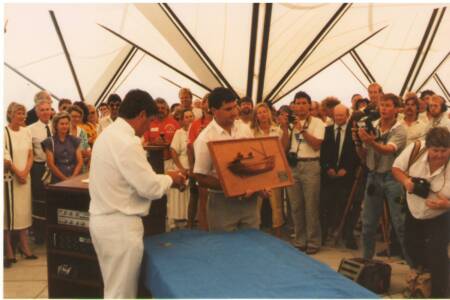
[[250, 164]]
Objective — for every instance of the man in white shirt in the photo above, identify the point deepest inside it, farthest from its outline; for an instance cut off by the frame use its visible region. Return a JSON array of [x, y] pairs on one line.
[[40, 130], [113, 102], [415, 128], [306, 139], [122, 185], [424, 101], [224, 214]]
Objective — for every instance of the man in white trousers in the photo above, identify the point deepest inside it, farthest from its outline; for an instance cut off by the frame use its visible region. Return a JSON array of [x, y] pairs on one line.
[[122, 185]]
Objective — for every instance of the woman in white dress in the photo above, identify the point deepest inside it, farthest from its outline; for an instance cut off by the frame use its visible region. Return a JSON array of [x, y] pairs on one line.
[[18, 158], [178, 201], [262, 124]]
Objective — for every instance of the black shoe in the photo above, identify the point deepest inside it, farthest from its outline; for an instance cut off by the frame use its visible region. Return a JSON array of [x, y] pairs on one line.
[[301, 248], [27, 256], [351, 244], [312, 250]]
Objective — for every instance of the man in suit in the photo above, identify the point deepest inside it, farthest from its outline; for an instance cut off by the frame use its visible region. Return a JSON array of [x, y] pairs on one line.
[[339, 162]]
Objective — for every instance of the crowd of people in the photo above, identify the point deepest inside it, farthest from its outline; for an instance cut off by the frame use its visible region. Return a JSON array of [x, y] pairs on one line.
[[348, 164]]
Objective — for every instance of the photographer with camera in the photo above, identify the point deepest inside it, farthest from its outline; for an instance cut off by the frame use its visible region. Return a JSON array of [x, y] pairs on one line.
[[378, 147], [304, 152], [424, 172]]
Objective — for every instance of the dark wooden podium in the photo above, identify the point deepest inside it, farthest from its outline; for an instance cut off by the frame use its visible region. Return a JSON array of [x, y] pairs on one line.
[[72, 266]]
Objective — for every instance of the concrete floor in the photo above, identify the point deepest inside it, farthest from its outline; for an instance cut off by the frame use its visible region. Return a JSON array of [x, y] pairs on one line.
[[28, 278]]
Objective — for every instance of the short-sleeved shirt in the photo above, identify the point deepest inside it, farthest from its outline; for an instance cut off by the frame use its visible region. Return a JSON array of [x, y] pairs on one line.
[[396, 136], [165, 127], [316, 128], [64, 153], [439, 181], [442, 121], [415, 131], [214, 132], [196, 127]]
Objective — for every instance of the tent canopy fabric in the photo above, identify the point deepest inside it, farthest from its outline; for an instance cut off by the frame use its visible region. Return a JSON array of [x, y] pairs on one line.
[[267, 51]]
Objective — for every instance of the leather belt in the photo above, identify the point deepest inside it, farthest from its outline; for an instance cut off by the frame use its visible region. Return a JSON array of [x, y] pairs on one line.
[[308, 159]]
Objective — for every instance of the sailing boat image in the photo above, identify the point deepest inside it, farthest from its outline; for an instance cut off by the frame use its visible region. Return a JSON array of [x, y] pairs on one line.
[[250, 165]]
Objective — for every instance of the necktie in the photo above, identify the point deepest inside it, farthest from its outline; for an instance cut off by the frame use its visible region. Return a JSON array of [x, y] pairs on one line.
[[49, 134], [338, 144]]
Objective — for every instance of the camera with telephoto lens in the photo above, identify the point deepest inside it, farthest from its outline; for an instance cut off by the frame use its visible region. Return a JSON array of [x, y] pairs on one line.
[[421, 187], [365, 118]]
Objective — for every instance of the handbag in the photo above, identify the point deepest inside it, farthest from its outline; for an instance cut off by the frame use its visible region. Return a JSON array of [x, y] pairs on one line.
[[47, 176]]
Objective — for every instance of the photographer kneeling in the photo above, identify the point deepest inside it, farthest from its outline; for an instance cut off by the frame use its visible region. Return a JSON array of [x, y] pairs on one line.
[[428, 186]]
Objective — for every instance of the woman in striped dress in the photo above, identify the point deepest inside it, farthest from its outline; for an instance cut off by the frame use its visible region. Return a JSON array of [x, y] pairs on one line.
[[18, 158]]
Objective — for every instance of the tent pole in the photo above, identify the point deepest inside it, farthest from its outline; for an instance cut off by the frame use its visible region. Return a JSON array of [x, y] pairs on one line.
[[66, 52], [309, 50], [354, 75], [441, 86], [419, 52], [424, 56], [157, 58], [126, 61], [432, 73], [264, 49], [196, 46], [177, 85], [362, 66], [252, 51], [332, 62], [28, 79]]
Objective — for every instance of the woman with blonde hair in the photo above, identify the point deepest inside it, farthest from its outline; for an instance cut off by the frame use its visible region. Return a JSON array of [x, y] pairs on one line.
[[18, 158], [62, 149], [262, 124]]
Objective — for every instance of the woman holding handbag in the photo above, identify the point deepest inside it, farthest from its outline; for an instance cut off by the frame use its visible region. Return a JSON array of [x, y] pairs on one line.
[[63, 150], [18, 158]]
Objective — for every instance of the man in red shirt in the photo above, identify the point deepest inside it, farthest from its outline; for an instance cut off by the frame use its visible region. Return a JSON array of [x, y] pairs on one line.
[[199, 195], [162, 129]]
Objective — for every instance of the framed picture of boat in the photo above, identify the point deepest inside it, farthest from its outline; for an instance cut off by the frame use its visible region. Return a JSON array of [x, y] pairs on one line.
[[250, 164]]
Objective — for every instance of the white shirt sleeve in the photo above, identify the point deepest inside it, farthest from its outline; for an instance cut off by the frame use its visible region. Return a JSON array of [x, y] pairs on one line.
[[203, 161], [318, 131], [401, 162], [132, 164]]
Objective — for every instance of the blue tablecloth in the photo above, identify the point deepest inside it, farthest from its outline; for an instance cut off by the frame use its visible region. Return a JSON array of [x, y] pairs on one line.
[[242, 264]]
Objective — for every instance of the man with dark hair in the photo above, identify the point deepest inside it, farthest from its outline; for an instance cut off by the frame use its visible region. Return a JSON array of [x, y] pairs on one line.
[[64, 104], [424, 100], [305, 142], [245, 110], [113, 102], [379, 151], [415, 127], [224, 214], [122, 185], [426, 225]]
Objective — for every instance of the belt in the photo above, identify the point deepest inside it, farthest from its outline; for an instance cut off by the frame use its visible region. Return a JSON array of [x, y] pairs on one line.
[[308, 159], [39, 162]]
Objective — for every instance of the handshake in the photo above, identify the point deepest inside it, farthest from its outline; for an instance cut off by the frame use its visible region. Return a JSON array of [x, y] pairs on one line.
[[179, 179]]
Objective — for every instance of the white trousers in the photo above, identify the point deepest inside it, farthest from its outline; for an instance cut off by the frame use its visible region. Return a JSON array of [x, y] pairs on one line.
[[118, 242]]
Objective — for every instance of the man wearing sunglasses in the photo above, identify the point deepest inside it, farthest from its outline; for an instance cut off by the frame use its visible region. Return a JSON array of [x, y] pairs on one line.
[[113, 102]]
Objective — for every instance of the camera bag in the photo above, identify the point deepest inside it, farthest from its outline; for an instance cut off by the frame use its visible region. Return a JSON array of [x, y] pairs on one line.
[[372, 274]]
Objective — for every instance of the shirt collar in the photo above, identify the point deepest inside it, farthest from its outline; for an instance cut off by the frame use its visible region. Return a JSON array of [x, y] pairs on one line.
[[121, 123], [342, 126], [220, 129]]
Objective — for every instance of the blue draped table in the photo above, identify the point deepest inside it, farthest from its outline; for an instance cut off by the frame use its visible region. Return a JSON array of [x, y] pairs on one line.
[[242, 264]]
